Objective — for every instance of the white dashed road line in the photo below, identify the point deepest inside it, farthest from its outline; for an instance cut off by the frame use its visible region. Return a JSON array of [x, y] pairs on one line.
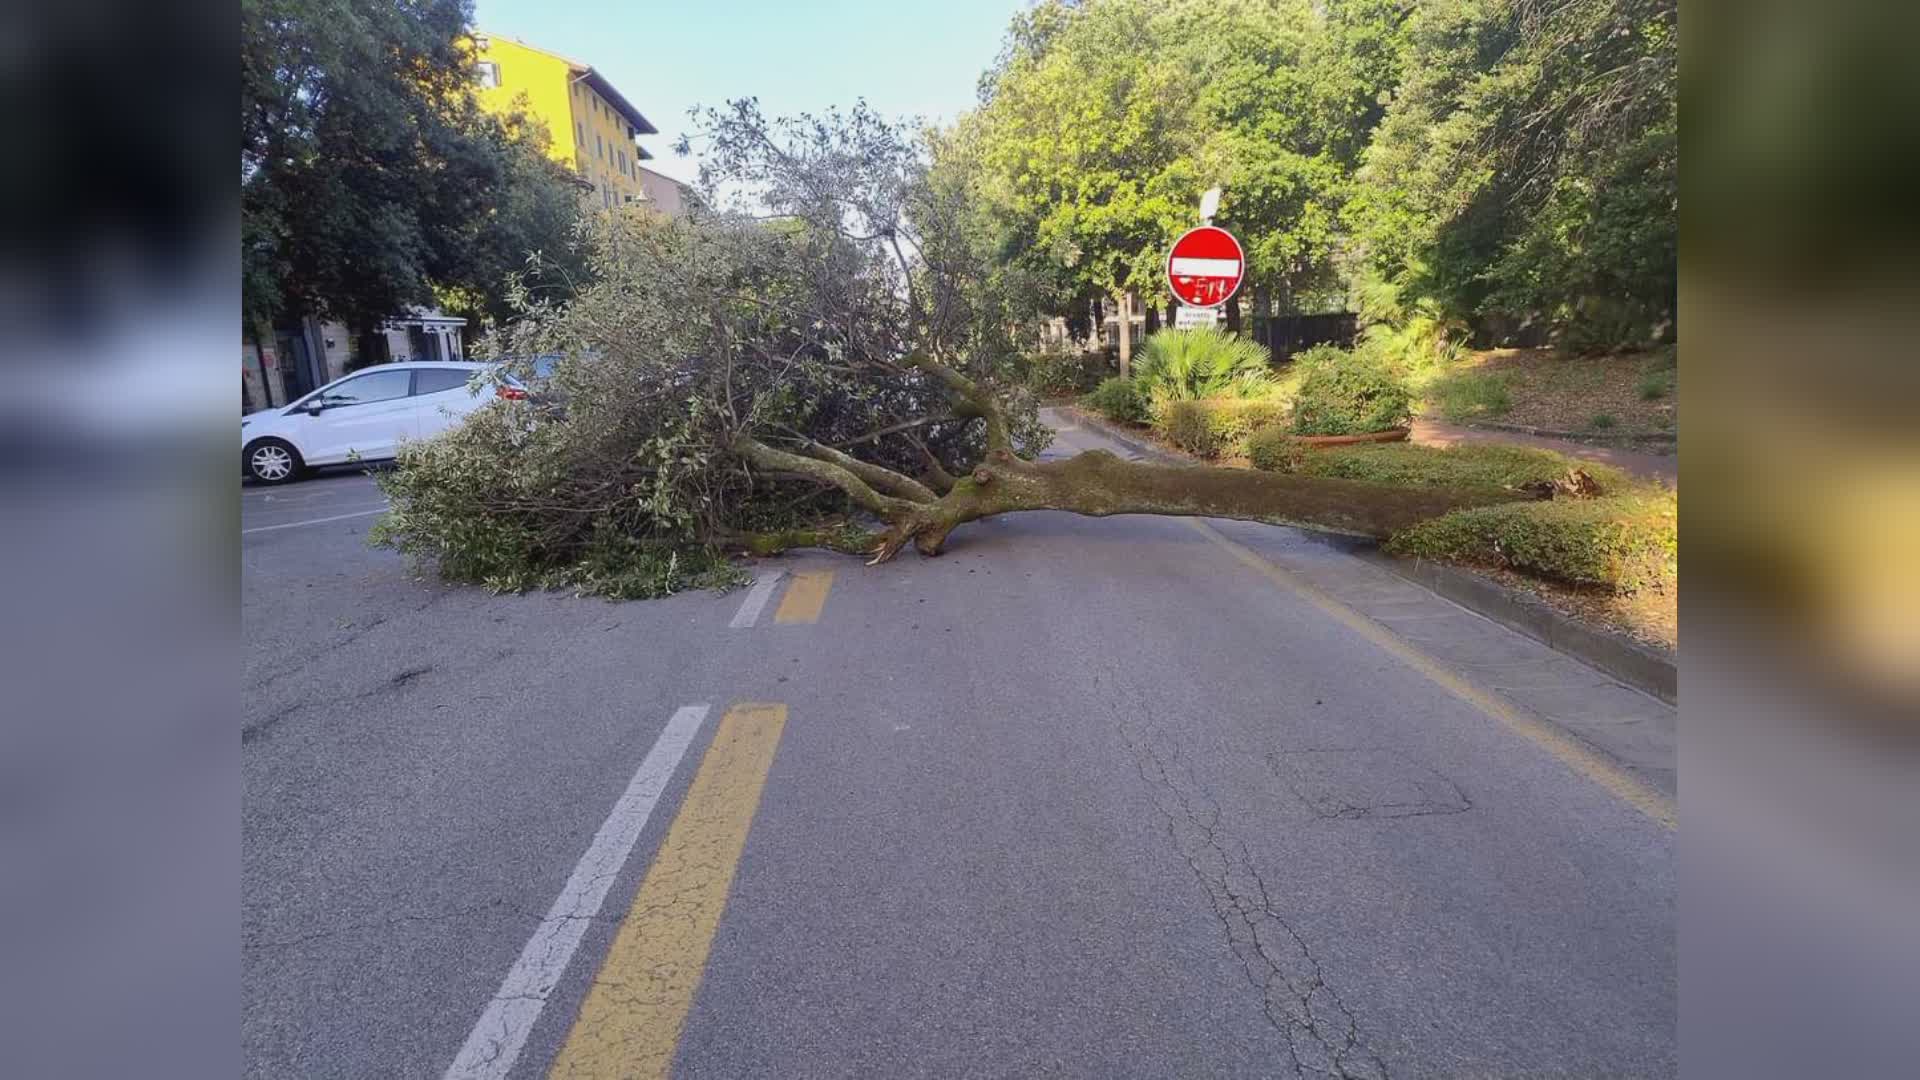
[[756, 600], [496, 1041]]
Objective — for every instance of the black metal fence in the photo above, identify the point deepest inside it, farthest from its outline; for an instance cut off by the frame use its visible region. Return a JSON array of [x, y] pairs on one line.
[[1284, 335]]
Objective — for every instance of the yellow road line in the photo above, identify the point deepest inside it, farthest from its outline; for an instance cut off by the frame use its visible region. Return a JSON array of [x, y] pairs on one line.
[[630, 1024], [1570, 751], [805, 597]]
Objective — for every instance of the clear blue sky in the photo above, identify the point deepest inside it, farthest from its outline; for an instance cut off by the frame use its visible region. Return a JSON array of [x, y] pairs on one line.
[[909, 57]]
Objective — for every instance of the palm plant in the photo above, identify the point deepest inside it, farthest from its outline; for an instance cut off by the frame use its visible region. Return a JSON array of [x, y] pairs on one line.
[[1192, 365]]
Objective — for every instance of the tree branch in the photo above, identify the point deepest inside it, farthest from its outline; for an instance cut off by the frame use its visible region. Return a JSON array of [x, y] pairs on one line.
[[766, 457], [938, 478], [878, 476], [973, 401]]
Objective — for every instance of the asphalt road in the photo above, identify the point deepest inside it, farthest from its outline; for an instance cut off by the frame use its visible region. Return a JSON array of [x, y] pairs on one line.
[[1082, 797]]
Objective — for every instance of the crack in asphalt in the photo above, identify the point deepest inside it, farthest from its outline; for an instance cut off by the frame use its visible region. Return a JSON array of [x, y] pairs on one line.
[[397, 681], [359, 630], [1321, 1033]]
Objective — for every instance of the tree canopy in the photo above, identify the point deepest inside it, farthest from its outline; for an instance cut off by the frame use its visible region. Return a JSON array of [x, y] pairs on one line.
[[369, 177], [1469, 159]]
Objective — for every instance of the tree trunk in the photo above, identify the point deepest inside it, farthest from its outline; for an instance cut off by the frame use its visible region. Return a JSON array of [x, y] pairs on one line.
[[1098, 484], [1125, 309], [1262, 317], [1233, 313], [1153, 320]]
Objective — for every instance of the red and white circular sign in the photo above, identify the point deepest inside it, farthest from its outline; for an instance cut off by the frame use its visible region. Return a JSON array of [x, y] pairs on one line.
[[1205, 267]]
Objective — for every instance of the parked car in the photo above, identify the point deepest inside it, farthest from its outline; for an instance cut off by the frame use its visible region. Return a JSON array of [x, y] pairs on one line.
[[532, 378], [362, 417]]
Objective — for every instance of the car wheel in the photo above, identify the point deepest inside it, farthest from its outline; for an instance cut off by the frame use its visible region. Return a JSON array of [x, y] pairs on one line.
[[273, 461]]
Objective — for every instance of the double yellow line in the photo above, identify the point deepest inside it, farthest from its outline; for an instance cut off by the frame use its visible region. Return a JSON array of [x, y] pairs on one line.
[[631, 1021]]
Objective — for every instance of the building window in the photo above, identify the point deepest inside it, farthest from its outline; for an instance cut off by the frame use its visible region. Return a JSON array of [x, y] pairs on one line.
[[599, 147], [487, 74], [580, 133]]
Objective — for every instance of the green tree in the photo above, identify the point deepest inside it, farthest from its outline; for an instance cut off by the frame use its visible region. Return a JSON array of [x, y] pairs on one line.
[[1102, 122], [369, 177], [838, 343], [1529, 166], [1083, 125]]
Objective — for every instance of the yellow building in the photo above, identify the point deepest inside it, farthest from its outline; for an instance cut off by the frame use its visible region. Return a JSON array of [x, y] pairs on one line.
[[593, 128]]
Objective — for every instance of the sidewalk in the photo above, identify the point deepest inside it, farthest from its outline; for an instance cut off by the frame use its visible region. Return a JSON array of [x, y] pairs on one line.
[[1662, 467]]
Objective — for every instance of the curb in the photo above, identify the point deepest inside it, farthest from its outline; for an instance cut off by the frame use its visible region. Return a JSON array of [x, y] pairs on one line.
[[1125, 438], [1655, 438], [1643, 667]]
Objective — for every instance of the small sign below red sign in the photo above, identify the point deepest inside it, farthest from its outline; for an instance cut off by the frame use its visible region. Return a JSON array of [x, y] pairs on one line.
[[1205, 267]]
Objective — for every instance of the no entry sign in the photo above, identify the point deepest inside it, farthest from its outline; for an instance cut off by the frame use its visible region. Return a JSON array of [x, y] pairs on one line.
[[1205, 267]]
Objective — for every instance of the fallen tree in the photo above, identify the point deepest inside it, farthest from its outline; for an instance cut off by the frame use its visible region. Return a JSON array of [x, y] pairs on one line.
[[822, 353]]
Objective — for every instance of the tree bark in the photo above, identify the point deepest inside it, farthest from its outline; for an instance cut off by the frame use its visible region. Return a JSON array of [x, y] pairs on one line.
[[1263, 317], [1125, 308], [1098, 484]]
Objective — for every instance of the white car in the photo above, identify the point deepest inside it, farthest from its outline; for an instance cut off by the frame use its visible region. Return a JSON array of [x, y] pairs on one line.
[[363, 417]]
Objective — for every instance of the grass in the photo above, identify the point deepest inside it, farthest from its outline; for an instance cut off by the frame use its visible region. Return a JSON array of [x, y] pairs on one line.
[[1471, 395], [1413, 465], [1603, 422]]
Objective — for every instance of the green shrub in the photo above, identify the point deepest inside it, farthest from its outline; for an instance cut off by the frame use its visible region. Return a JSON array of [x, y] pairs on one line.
[[1191, 365], [1410, 464], [1184, 424], [1654, 385], [1216, 427], [1348, 393], [1603, 421], [1598, 324], [1625, 543], [1471, 395], [1117, 399], [474, 500], [1061, 372], [1274, 449]]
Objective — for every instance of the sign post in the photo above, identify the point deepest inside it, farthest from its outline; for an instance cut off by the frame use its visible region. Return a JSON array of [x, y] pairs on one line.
[[1204, 268]]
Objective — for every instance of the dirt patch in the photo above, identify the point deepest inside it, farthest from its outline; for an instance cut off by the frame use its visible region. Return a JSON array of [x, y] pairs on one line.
[[1650, 616], [1620, 394]]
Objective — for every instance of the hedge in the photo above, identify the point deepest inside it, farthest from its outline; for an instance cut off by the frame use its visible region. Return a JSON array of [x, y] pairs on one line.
[[1471, 465], [1625, 543], [1217, 426]]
